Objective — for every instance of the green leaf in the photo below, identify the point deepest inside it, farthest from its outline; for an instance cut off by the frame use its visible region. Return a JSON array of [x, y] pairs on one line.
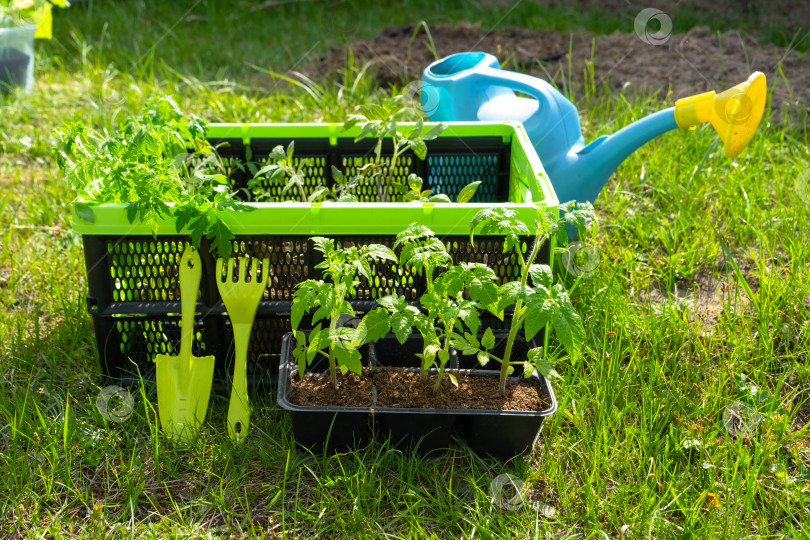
[[566, 323], [220, 235], [450, 282], [277, 154], [468, 312], [538, 313], [536, 359], [483, 289], [468, 192], [488, 339], [401, 325], [348, 357], [374, 326], [433, 132], [318, 340], [324, 245], [483, 358], [429, 355], [541, 275], [132, 211], [297, 312], [319, 193], [369, 128], [467, 344], [511, 292], [415, 183], [352, 120], [419, 148], [84, 211], [444, 357], [378, 251], [300, 352], [577, 214], [392, 302], [306, 294], [452, 378]]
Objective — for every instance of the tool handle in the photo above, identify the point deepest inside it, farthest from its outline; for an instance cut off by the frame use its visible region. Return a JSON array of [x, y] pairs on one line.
[[190, 274], [239, 408]]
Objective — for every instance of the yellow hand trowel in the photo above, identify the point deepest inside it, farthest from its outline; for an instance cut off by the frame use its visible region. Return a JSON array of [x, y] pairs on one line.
[[241, 298], [184, 381]]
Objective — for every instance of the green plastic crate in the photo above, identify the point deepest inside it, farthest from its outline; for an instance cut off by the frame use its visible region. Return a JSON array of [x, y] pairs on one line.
[[527, 185], [132, 275]]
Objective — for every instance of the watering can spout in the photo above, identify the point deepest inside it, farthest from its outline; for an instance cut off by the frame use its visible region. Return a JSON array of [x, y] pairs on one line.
[[588, 167], [471, 86], [734, 114]]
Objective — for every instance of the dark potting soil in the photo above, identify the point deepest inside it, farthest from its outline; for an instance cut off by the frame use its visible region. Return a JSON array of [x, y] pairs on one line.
[[402, 389], [405, 389], [316, 390]]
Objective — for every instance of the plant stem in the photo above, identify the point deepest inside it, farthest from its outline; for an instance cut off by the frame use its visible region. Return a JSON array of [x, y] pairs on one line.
[[390, 177], [517, 318], [429, 279], [446, 348], [334, 316], [303, 192], [378, 163]]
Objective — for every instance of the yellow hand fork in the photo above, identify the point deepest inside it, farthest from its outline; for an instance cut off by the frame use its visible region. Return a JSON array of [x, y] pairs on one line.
[[241, 298]]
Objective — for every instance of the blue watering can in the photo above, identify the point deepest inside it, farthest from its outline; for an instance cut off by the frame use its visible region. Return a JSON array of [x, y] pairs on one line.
[[471, 86]]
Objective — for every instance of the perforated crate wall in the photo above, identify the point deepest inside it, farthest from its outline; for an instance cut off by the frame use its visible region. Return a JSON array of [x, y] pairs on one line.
[[138, 275], [449, 173], [128, 345], [451, 164]]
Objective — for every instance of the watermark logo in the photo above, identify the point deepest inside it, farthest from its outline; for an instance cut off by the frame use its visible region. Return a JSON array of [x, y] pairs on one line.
[[33, 15], [421, 96], [646, 20], [581, 259], [507, 492], [115, 404], [741, 419], [105, 89], [735, 110], [802, 185]]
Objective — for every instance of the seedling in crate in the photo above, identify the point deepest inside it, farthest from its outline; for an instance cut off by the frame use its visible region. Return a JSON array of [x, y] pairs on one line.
[[451, 300], [284, 170], [417, 194], [380, 122], [338, 345], [281, 170], [537, 304], [137, 166]]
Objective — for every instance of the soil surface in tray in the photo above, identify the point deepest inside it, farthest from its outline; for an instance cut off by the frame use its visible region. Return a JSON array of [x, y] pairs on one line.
[[316, 390], [404, 389]]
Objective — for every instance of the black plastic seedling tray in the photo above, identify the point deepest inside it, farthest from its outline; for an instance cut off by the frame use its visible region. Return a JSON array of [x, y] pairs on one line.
[[500, 434]]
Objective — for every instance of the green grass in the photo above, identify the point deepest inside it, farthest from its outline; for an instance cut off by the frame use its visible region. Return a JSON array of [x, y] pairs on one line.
[[621, 449]]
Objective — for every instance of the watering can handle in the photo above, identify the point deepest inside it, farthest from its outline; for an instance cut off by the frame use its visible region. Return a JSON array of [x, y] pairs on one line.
[[537, 88]]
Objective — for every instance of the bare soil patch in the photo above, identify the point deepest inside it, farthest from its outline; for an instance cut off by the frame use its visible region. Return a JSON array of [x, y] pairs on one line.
[[685, 64], [709, 294]]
